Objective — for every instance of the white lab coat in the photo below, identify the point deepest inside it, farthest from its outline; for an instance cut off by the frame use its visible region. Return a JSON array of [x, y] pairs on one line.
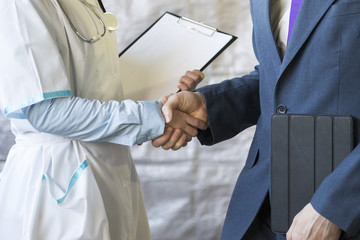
[[53, 187], [6, 139]]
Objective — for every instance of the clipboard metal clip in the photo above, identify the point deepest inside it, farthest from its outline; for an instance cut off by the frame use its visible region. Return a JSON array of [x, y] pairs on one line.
[[196, 26]]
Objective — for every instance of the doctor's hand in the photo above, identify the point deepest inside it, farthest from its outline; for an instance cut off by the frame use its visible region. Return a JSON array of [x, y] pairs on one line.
[[309, 224], [172, 139], [179, 131], [190, 80]]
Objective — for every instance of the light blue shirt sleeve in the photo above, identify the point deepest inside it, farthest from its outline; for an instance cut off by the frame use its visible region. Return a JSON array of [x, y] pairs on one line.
[[126, 122]]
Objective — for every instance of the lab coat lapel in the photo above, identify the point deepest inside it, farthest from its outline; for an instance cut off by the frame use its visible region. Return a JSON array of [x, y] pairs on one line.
[[269, 55], [310, 13]]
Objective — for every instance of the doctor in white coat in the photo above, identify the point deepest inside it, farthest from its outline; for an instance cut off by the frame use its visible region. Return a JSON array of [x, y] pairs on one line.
[[70, 174]]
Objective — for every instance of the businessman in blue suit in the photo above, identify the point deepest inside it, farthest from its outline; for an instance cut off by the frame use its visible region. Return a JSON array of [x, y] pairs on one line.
[[315, 71]]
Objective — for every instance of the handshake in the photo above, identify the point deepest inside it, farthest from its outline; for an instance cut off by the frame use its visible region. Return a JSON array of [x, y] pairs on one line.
[[184, 113]]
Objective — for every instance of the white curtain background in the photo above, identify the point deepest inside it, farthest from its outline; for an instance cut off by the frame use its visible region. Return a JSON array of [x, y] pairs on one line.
[[187, 191]]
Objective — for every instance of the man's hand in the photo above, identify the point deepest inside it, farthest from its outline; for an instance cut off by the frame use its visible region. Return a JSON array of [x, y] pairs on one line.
[[181, 120], [310, 225], [192, 103], [190, 80], [186, 122]]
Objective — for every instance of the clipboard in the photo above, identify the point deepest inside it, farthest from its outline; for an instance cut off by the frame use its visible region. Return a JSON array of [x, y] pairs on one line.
[[304, 150], [151, 66]]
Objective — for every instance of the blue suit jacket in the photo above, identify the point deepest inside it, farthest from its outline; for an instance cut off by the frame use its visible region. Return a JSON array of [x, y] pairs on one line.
[[319, 73]]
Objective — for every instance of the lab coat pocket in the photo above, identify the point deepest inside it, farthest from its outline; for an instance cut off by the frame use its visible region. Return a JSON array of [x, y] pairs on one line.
[[70, 196], [64, 165], [54, 188]]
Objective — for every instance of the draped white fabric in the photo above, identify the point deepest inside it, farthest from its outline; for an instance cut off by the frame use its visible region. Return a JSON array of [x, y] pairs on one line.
[[7, 139], [187, 191]]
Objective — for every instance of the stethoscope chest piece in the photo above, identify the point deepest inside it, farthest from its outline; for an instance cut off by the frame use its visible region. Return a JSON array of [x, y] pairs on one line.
[[111, 21]]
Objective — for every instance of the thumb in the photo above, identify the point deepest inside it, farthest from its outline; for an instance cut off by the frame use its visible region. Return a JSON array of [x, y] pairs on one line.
[[167, 111], [169, 107]]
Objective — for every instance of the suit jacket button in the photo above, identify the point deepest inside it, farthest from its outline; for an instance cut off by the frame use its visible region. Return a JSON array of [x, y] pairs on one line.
[[281, 109]]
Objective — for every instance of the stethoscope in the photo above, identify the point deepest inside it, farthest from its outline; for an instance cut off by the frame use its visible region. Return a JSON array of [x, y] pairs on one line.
[[110, 21]]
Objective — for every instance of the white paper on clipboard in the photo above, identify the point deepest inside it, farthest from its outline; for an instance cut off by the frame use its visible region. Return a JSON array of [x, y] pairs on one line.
[[153, 64]]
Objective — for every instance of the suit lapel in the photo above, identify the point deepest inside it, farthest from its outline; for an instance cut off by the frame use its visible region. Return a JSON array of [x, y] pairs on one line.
[[266, 47], [309, 15]]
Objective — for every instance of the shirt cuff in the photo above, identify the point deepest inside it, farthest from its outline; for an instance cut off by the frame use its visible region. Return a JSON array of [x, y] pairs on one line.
[[152, 122]]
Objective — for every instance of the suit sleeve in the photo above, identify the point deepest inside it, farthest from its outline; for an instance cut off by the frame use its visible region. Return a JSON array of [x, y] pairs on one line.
[[337, 198], [232, 106]]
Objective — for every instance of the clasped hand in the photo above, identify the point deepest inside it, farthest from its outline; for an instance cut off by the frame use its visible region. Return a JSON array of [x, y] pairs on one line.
[[184, 114]]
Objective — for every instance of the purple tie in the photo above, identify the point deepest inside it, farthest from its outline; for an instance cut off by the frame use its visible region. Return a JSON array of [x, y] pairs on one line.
[[295, 6]]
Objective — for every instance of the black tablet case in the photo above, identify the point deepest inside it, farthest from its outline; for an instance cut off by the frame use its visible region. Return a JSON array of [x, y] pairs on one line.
[[304, 150]]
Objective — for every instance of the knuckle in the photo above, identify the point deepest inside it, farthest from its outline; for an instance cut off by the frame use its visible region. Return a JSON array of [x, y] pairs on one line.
[[177, 133], [175, 148], [165, 147], [154, 144]]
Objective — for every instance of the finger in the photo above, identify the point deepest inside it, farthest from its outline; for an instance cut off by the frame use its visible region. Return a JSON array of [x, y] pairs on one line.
[[190, 130], [176, 135], [157, 142], [185, 87], [190, 80], [200, 73], [193, 75], [185, 122], [188, 138], [196, 123], [188, 83], [181, 142], [196, 75]]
